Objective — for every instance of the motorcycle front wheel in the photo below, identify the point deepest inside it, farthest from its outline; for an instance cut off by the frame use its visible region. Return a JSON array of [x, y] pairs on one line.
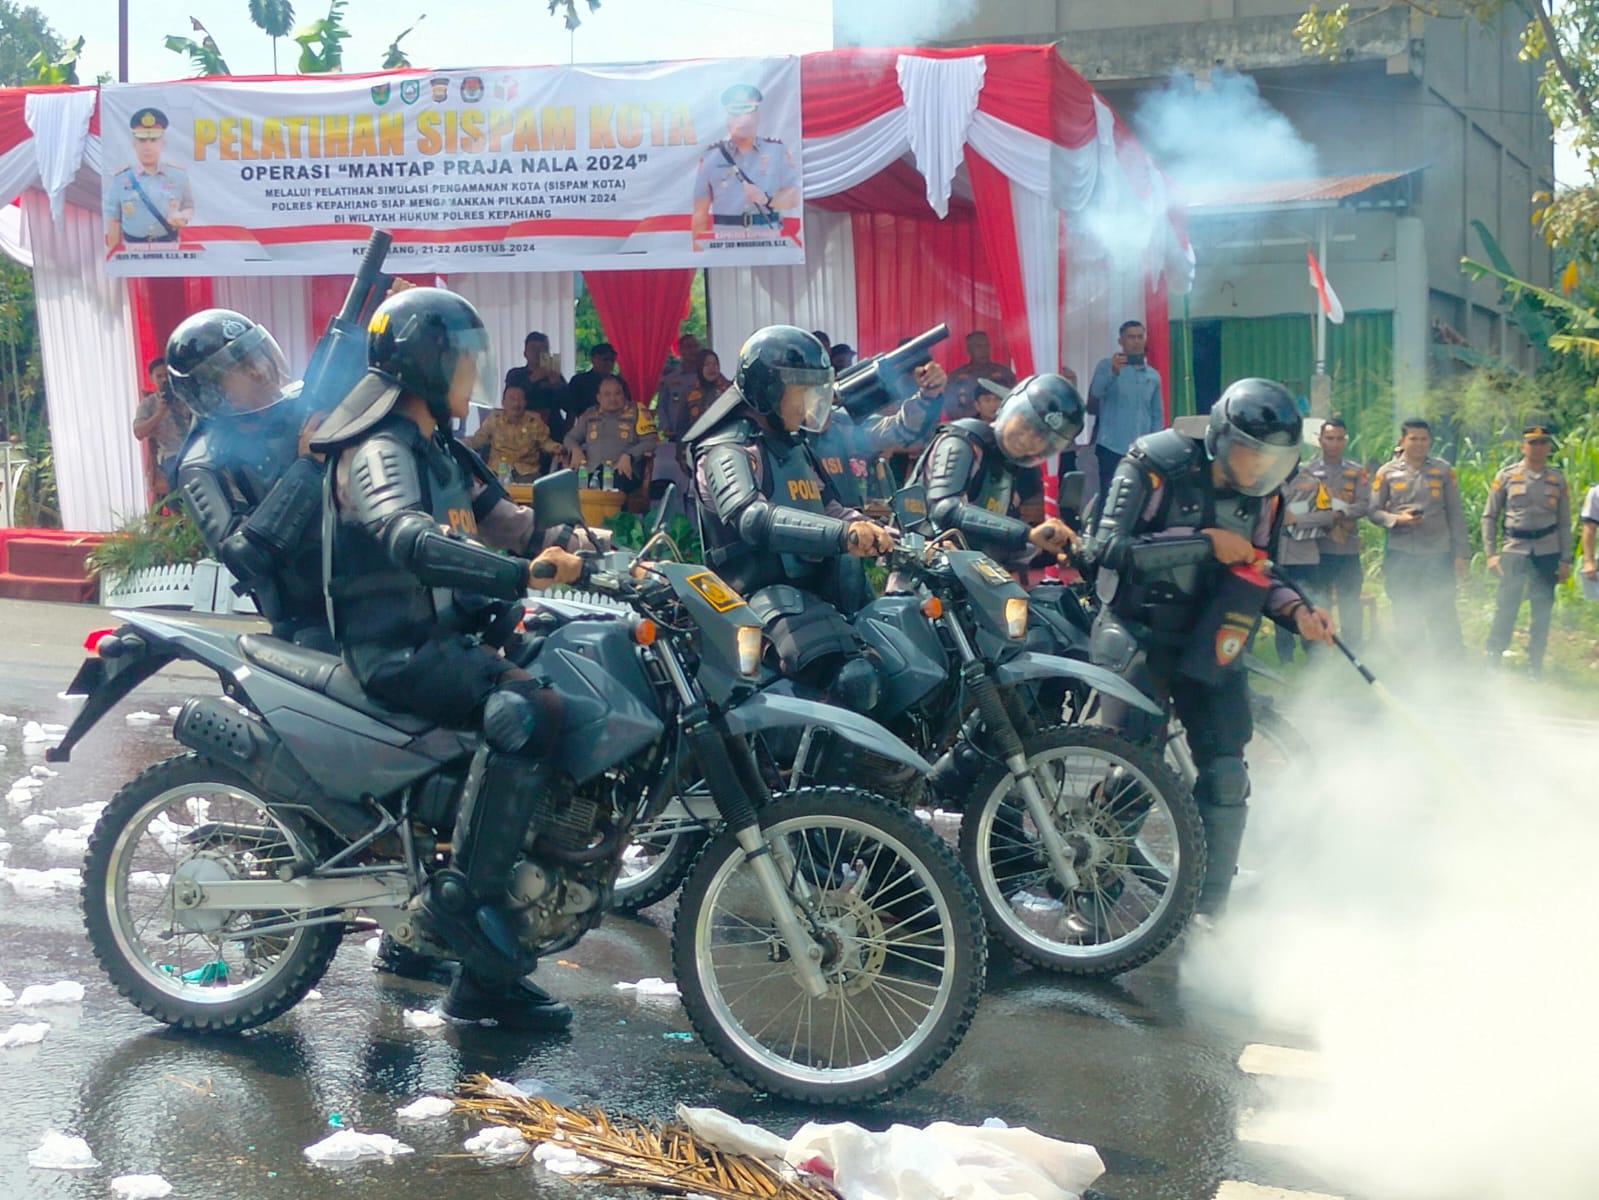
[[1136, 841], [179, 825], [901, 936], [657, 859]]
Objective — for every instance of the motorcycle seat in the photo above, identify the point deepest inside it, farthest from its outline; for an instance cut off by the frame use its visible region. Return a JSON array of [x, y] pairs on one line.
[[323, 673]]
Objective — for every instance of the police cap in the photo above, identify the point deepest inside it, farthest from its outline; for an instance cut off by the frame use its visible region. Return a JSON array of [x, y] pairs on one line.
[[742, 98], [1535, 431], [148, 123]]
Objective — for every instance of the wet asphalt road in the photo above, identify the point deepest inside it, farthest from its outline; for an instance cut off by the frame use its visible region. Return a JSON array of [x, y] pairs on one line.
[[1134, 1067]]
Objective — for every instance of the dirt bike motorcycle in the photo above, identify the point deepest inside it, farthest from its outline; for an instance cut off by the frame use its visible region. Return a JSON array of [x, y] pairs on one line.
[[827, 946]]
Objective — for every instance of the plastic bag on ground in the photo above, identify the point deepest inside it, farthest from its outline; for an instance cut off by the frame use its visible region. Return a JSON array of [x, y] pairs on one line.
[[504, 1090], [497, 1141], [38, 822], [39, 772], [33, 731], [6, 994], [66, 842], [62, 1152], [653, 987], [65, 992], [538, 1089], [728, 1133], [420, 1018], [140, 1187], [24, 1035], [563, 1160], [427, 1108], [945, 1160], [27, 882], [347, 1146]]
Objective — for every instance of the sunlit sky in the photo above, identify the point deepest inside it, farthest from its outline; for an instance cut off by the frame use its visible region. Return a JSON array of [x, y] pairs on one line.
[[476, 33], [455, 33]]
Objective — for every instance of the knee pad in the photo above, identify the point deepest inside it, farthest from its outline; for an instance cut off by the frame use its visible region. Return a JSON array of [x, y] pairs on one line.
[[856, 685], [1223, 783], [523, 716]]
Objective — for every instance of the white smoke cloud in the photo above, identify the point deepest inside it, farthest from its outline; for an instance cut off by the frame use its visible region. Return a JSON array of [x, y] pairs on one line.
[[1429, 929], [898, 22], [1220, 132]]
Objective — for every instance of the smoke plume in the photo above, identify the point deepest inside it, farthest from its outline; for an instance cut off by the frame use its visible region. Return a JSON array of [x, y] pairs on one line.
[[1220, 132], [1423, 916], [898, 22]]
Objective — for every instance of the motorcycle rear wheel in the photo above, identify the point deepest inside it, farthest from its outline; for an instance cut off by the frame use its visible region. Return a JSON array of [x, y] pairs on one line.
[[189, 820], [1138, 845], [902, 936]]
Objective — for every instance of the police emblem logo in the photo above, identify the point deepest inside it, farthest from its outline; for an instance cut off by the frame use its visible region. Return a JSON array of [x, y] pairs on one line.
[[380, 93], [989, 570], [411, 90], [440, 86], [232, 329], [717, 594], [471, 89], [1231, 639]]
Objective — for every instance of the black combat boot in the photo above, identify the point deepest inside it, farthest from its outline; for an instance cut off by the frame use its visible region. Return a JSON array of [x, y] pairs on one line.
[[395, 959], [512, 1003]]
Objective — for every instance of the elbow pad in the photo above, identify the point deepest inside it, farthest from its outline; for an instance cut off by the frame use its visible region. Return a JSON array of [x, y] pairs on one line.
[[794, 531], [980, 525], [250, 562], [292, 507], [208, 503], [1124, 505], [416, 544]]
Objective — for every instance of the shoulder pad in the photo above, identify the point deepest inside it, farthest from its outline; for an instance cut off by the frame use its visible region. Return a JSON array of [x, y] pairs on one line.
[[973, 429], [740, 431], [384, 476], [1168, 451]]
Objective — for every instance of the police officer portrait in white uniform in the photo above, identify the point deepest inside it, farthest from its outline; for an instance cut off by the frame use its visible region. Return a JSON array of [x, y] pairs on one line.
[[150, 200], [745, 182]]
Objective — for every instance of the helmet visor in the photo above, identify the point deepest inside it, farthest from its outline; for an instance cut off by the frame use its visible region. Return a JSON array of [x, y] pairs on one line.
[[474, 379], [1024, 435], [1252, 467], [243, 377], [807, 396]]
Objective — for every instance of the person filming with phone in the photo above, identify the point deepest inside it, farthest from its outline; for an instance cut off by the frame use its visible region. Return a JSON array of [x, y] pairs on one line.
[[1125, 400]]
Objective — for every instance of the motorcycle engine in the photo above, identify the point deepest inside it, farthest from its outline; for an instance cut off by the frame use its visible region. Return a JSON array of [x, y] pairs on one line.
[[560, 896]]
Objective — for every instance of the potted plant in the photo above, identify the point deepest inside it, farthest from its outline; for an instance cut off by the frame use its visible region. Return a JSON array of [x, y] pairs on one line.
[[150, 561]]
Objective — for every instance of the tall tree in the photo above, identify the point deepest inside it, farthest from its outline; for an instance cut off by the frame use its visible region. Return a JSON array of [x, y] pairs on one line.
[[275, 18], [24, 33]]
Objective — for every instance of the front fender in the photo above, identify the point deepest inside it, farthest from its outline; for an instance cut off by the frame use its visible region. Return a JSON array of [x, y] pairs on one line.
[[763, 710], [1028, 665]]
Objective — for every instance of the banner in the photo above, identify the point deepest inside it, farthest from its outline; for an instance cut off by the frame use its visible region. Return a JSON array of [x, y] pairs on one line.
[[532, 169]]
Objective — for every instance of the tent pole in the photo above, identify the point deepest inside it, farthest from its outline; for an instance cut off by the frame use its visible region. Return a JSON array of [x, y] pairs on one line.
[[122, 41]]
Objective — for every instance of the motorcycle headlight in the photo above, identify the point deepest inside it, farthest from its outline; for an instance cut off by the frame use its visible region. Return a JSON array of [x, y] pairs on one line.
[[749, 649], [1016, 617]]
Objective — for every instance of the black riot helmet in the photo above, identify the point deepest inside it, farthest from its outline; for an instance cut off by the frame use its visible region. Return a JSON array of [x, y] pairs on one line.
[[1038, 419], [222, 364], [1254, 434], [433, 344], [780, 357]]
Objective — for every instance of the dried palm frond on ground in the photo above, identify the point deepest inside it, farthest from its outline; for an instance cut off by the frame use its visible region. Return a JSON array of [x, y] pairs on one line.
[[669, 1159]]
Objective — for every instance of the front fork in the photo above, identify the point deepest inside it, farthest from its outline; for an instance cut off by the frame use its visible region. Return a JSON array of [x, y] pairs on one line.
[[996, 720]]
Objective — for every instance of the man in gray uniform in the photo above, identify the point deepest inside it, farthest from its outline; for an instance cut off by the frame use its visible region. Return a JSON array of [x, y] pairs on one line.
[[745, 183], [609, 436], [1307, 516], [1416, 498], [1348, 491], [149, 202], [1531, 502]]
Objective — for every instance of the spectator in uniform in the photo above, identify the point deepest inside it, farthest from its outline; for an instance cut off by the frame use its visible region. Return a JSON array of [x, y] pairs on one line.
[[1530, 503], [151, 200], [1590, 528], [161, 421], [584, 389], [1349, 495], [960, 402], [541, 384], [1307, 517], [677, 380], [517, 441], [608, 436], [1416, 498], [1125, 398]]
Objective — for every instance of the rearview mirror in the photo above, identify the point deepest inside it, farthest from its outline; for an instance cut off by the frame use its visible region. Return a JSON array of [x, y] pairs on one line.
[[1072, 485], [556, 501], [910, 507]]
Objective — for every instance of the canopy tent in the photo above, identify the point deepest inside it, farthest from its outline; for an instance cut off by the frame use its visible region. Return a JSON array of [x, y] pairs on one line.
[[989, 187]]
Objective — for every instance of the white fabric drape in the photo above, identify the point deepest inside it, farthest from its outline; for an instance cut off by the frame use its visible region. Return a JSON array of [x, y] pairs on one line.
[[90, 368], [940, 100], [514, 305], [13, 241], [819, 295], [19, 167], [60, 125], [280, 302], [839, 161], [1037, 228]]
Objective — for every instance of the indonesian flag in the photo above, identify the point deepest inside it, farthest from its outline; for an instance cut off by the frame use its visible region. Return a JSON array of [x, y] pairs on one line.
[[1330, 304]]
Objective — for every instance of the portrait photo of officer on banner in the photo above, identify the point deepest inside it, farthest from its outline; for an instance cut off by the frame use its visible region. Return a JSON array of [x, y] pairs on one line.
[[746, 182], [149, 201]]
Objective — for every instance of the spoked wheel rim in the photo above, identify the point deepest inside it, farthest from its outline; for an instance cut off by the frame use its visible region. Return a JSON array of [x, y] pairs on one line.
[[650, 849], [186, 836], [1125, 847], [887, 937]]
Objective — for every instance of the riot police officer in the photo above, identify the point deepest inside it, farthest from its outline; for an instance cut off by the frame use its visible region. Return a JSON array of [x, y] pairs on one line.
[[1185, 519], [976, 473], [775, 527], [407, 582], [247, 475]]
